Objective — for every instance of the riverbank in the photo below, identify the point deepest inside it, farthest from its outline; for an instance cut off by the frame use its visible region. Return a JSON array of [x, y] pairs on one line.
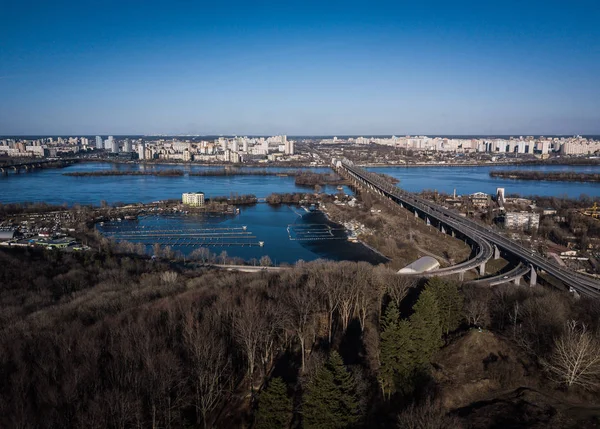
[[554, 176], [583, 162], [104, 173]]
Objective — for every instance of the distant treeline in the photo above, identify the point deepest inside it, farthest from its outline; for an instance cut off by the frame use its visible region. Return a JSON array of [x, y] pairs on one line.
[[161, 173], [554, 176], [293, 198], [303, 177], [236, 199], [564, 161], [246, 172], [308, 178]]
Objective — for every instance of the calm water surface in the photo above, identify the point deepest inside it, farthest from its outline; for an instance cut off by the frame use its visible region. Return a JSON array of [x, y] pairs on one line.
[[467, 180], [281, 229], [265, 223]]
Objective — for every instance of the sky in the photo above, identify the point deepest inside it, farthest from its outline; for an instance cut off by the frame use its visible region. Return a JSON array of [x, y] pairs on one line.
[[299, 67]]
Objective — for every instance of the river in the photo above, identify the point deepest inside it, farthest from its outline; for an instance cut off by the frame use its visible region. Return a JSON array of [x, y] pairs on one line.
[[271, 225], [468, 180]]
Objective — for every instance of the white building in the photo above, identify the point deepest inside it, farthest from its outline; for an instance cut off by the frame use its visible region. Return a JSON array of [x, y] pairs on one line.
[[142, 151], [195, 199], [524, 220]]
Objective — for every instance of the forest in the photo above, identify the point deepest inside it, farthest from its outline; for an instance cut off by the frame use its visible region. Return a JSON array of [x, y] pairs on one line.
[[100, 340]]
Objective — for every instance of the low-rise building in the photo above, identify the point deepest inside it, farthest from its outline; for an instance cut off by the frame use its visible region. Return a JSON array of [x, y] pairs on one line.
[[479, 199], [195, 199], [521, 220]]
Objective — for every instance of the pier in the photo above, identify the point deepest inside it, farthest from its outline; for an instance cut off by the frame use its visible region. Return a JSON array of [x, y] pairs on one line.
[[313, 232], [197, 237]]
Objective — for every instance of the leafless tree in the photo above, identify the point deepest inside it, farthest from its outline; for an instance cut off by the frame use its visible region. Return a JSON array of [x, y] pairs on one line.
[[429, 415], [250, 329], [211, 369], [366, 292], [476, 305], [265, 261], [301, 305], [330, 293], [397, 286], [575, 360]]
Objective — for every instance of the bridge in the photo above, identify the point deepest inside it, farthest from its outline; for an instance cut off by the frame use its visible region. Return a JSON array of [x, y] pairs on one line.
[[33, 165], [485, 242]]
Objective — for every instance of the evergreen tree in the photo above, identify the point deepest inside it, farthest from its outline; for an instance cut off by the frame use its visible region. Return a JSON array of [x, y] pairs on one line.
[[450, 302], [388, 349], [406, 360], [274, 407], [330, 400], [397, 360], [426, 328]]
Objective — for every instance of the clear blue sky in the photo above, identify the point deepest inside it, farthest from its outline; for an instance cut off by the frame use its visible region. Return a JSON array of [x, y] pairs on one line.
[[326, 67]]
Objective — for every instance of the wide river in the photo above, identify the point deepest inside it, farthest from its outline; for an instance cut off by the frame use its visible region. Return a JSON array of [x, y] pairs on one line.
[[53, 187], [279, 228]]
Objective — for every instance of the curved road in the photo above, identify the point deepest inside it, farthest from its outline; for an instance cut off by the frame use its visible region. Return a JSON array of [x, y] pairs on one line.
[[583, 284]]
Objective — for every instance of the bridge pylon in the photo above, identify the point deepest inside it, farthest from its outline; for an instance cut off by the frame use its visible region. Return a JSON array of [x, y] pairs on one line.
[[532, 276]]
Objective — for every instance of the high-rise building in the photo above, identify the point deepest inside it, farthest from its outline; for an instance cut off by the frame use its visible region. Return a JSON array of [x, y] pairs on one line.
[[141, 150], [288, 145], [108, 143], [114, 145], [127, 146], [99, 142]]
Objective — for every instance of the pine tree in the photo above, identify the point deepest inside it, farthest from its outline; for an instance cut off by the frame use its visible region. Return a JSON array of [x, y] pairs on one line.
[[396, 351], [426, 328], [450, 303], [274, 407], [388, 350], [330, 401], [406, 360]]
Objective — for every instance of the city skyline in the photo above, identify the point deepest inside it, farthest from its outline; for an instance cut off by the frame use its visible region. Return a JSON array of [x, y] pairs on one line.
[[305, 68]]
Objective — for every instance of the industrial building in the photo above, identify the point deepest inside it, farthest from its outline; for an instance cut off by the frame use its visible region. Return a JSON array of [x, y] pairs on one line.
[[421, 265]]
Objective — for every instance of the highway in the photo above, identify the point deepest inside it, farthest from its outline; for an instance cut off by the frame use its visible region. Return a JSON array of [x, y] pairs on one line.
[[583, 284]]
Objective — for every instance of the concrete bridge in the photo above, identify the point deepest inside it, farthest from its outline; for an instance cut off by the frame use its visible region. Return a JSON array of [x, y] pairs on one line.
[[485, 242], [28, 166]]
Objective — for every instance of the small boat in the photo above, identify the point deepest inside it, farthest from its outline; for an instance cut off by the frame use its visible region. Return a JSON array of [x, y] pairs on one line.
[[261, 243]]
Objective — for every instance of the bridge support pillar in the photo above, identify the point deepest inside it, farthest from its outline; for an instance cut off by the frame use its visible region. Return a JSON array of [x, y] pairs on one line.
[[461, 276], [482, 269], [452, 233], [496, 252], [428, 221], [518, 280], [416, 214], [532, 276], [4, 172], [442, 229]]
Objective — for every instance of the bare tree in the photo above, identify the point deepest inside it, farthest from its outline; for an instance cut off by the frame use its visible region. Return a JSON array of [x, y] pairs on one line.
[[250, 327], [302, 305], [211, 370], [427, 416], [265, 261], [396, 286], [368, 293], [330, 293], [476, 305], [575, 360]]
